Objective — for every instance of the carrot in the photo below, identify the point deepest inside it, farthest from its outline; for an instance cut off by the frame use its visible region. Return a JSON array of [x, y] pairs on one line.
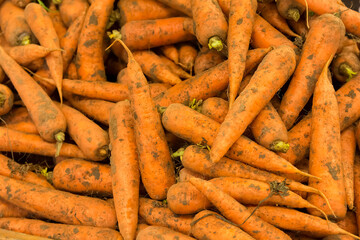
[[41, 25], [89, 57], [43, 72], [185, 174], [237, 213], [149, 133], [48, 118], [299, 27], [253, 98], [13, 25], [298, 221], [158, 88], [210, 225], [349, 17], [206, 59], [145, 34], [241, 20], [357, 188], [26, 126], [270, 13], [10, 234], [71, 71], [225, 6], [180, 5], [15, 141], [124, 168], [171, 52], [208, 13], [59, 26], [71, 10], [57, 231], [349, 223], [144, 10], [10, 168], [2, 75], [10, 210], [20, 3], [187, 56], [290, 9], [6, 99], [325, 148], [215, 108], [346, 64], [156, 213], [16, 115], [175, 68], [161, 233], [140, 227]]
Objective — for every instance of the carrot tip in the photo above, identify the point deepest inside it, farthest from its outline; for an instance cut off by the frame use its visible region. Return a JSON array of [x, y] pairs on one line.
[[215, 42], [115, 34], [294, 14], [103, 151], [280, 146]]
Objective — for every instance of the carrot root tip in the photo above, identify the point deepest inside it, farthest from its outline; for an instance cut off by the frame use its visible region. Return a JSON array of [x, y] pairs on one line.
[[294, 14], [347, 71], [280, 146], [215, 42]]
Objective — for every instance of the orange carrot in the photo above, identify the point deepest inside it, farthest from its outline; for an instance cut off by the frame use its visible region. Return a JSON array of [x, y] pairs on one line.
[[253, 98], [299, 27], [26, 126], [56, 230], [346, 64], [10, 210], [2, 75], [206, 59], [320, 44], [16, 115], [158, 88], [6, 99], [124, 168], [349, 223], [357, 188], [180, 5], [187, 56], [42, 27], [171, 52], [161, 233], [215, 108], [43, 72], [185, 174], [20, 3], [11, 234], [59, 26], [175, 68], [241, 20], [290, 9], [71, 10]]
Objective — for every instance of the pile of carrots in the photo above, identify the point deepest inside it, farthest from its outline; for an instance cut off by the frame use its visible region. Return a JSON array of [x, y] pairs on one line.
[[179, 119]]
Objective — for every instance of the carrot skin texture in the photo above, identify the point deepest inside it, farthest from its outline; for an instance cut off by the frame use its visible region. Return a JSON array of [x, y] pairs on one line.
[[357, 189], [320, 44], [42, 27], [262, 87], [10, 210], [48, 118], [71, 10], [180, 5], [56, 20], [171, 52], [89, 56], [124, 168], [6, 99], [206, 59], [161, 233]]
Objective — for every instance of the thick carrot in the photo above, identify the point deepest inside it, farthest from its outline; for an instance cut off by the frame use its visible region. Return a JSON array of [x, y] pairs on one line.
[[13, 25], [187, 56], [180, 5], [269, 77], [26, 126], [237, 213], [346, 64], [298, 221], [348, 147], [10, 168], [58, 231], [41, 25], [215, 108], [161, 233], [71, 10], [179, 71], [156, 213], [320, 44], [84, 177], [171, 52], [48, 118], [208, 13], [144, 10], [185, 174], [290, 9], [10, 210], [6, 99], [124, 168], [145, 34], [325, 149], [89, 57], [241, 20], [158, 88], [210, 225], [15, 141], [206, 59], [59, 26], [92, 140], [153, 151]]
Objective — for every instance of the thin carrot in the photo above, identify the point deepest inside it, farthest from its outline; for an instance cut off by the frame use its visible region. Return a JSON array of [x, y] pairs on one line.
[[26, 126], [179, 71], [2, 75], [320, 44], [241, 20], [59, 26], [262, 87], [290, 9], [43, 72], [171, 52], [56, 230], [48, 118], [125, 168], [161, 233], [6, 99], [187, 56], [185, 174], [16, 115], [357, 188], [71, 71], [71, 10], [149, 133], [237, 213], [206, 59]]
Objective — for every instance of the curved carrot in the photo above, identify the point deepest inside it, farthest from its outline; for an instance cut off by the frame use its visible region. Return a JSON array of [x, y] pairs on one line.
[[71, 10], [290, 9], [125, 168], [206, 59], [6, 99], [171, 52]]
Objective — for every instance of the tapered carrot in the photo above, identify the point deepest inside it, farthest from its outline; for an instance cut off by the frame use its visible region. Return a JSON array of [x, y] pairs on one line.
[[125, 168], [6, 99], [26, 126], [241, 20], [145, 34], [290, 9], [48, 118], [206, 59], [149, 133], [253, 98], [59, 26], [161, 233], [179, 71], [13, 25], [187, 56], [71, 71], [237, 213], [320, 44], [41, 25], [298, 221], [56, 230], [210, 225], [71, 10], [43, 72], [299, 27], [89, 56], [171, 52], [180, 5]]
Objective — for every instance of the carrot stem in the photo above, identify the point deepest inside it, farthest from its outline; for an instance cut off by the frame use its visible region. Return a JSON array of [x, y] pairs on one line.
[[114, 17], [294, 14], [25, 40], [280, 146], [347, 71], [60, 138], [178, 153], [215, 42]]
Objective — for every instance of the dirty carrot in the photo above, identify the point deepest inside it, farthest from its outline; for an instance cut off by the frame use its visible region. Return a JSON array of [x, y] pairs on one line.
[[171, 52], [6, 99], [320, 44], [241, 20], [71, 10], [180, 5], [10, 210], [185, 174], [187, 56], [20, 3], [26, 126], [57, 22], [124, 168], [269, 77], [158, 88], [290, 9], [346, 64], [16, 115], [215, 108], [41, 25], [206, 59], [161, 233], [179, 71]]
